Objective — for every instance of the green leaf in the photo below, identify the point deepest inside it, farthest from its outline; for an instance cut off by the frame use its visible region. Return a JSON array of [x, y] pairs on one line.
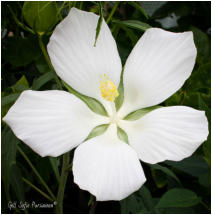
[[38, 83], [92, 103], [159, 178], [120, 99], [42, 65], [130, 33], [115, 31], [9, 99], [207, 144], [20, 24], [55, 163], [134, 24], [166, 170], [146, 196], [202, 43], [139, 113], [8, 153], [194, 165], [44, 166], [139, 202], [99, 24], [200, 79], [23, 81], [137, 6], [191, 99], [21, 85], [92, 198], [178, 198], [122, 135], [98, 130], [112, 12], [204, 106], [207, 150], [175, 99], [205, 179], [176, 210], [17, 182], [40, 15], [131, 205]]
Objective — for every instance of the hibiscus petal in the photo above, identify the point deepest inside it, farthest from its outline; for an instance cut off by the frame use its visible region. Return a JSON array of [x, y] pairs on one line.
[[157, 67], [107, 167], [169, 133], [51, 122], [76, 60]]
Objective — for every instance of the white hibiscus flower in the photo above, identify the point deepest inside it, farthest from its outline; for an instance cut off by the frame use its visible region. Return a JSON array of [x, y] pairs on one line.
[[54, 122]]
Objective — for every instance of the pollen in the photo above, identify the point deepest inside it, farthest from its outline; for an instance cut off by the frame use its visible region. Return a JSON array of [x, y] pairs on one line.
[[108, 89]]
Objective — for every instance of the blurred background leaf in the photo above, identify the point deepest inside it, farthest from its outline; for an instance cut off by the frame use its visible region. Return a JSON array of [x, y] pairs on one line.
[[40, 15], [178, 198]]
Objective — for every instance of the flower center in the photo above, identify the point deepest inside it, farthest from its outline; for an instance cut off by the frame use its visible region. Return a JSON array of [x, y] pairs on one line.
[[114, 119], [108, 89]]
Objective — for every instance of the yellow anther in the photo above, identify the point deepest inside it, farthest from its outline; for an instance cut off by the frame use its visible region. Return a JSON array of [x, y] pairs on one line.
[[108, 89]]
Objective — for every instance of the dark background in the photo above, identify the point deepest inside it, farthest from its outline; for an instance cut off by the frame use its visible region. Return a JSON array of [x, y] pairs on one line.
[[24, 67]]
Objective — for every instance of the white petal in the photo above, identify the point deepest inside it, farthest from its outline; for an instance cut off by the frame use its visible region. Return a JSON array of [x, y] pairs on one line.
[[51, 122], [169, 133], [107, 167], [76, 60], [157, 67]]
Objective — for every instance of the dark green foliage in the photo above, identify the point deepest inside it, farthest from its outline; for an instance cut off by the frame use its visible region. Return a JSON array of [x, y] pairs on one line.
[[194, 165], [17, 182], [8, 155], [134, 24], [43, 79], [20, 51], [55, 166], [171, 187], [41, 16], [99, 24], [178, 198], [139, 202], [165, 170]]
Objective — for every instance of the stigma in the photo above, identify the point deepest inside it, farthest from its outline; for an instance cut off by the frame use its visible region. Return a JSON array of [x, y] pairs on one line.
[[108, 89]]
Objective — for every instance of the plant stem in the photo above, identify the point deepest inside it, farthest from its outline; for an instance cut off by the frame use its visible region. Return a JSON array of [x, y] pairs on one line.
[[72, 4], [93, 207], [36, 172], [46, 56], [183, 99], [81, 4], [63, 179], [203, 203], [112, 12], [69, 167], [38, 190], [19, 23], [60, 9]]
